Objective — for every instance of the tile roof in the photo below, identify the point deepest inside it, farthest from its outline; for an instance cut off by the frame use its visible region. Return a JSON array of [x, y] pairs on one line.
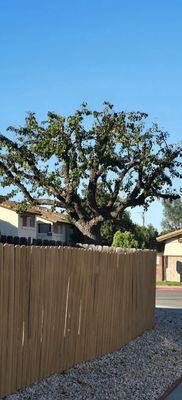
[[13, 205], [41, 211], [54, 216]]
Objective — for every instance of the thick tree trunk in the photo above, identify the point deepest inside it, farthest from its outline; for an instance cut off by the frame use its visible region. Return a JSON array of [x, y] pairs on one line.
[[91, 233]]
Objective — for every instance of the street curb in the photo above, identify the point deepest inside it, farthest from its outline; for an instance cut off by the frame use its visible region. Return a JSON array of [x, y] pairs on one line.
[[173, 288], [169, 390]]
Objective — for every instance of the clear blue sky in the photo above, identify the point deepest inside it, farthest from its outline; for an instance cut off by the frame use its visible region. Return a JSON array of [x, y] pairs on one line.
[[56, 54]]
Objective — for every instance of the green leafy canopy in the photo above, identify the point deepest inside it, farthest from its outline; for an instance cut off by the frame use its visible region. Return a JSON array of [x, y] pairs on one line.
[[172, 215], [124, 240], [72, 162]]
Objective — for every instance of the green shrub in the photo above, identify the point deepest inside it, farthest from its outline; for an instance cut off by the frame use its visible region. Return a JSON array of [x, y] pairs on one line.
[[124, 239]]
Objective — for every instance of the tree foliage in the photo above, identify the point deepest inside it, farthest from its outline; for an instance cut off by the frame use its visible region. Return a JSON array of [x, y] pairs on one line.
[[124, 240], [172, 215], [109, 228], [146, 236], [67, 162], [142, 237]]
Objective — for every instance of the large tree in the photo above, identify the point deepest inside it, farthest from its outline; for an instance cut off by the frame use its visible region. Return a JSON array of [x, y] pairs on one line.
[[64, 161], [172, 215], [146, 236]]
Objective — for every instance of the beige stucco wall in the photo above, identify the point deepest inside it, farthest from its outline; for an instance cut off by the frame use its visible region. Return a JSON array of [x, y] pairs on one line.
[[8, 222], [174, 268], [173, 247]]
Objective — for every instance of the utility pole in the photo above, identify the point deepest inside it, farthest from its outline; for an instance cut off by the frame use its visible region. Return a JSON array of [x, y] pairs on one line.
[[143, 217]]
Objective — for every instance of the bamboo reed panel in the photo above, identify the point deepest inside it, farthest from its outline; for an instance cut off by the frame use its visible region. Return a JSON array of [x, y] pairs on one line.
[[60, 306]]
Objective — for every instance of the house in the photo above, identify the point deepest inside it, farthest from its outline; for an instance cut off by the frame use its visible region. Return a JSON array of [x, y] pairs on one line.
[[34, 223], [172, 257]]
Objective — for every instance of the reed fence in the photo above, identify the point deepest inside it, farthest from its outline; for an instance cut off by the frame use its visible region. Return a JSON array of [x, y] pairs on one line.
[[60, 306]]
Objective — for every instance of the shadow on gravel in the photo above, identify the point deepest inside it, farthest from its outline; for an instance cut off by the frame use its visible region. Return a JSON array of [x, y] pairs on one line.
[[167, 320]]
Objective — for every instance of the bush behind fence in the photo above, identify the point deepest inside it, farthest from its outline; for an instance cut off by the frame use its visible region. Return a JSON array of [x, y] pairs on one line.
[[18, 240]]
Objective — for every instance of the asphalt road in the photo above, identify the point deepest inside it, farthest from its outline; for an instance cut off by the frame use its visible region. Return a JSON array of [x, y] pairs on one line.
[[169, 298]]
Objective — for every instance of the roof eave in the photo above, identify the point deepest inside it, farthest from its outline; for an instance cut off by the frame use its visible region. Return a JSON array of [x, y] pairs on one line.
[[169, 235]]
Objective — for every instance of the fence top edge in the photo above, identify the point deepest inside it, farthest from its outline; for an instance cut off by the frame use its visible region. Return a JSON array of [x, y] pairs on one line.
[[109, 250]]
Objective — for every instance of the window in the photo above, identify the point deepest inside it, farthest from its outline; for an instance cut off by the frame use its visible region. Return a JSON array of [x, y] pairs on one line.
[[32, 221], [44, 228], [28, 222], [24, 221]]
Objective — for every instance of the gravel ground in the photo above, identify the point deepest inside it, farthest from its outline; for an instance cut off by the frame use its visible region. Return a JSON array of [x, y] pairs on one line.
[[143, 369]]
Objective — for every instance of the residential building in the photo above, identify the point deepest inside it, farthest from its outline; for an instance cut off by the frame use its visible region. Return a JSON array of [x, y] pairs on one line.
[[172, 262], [34, 223]]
